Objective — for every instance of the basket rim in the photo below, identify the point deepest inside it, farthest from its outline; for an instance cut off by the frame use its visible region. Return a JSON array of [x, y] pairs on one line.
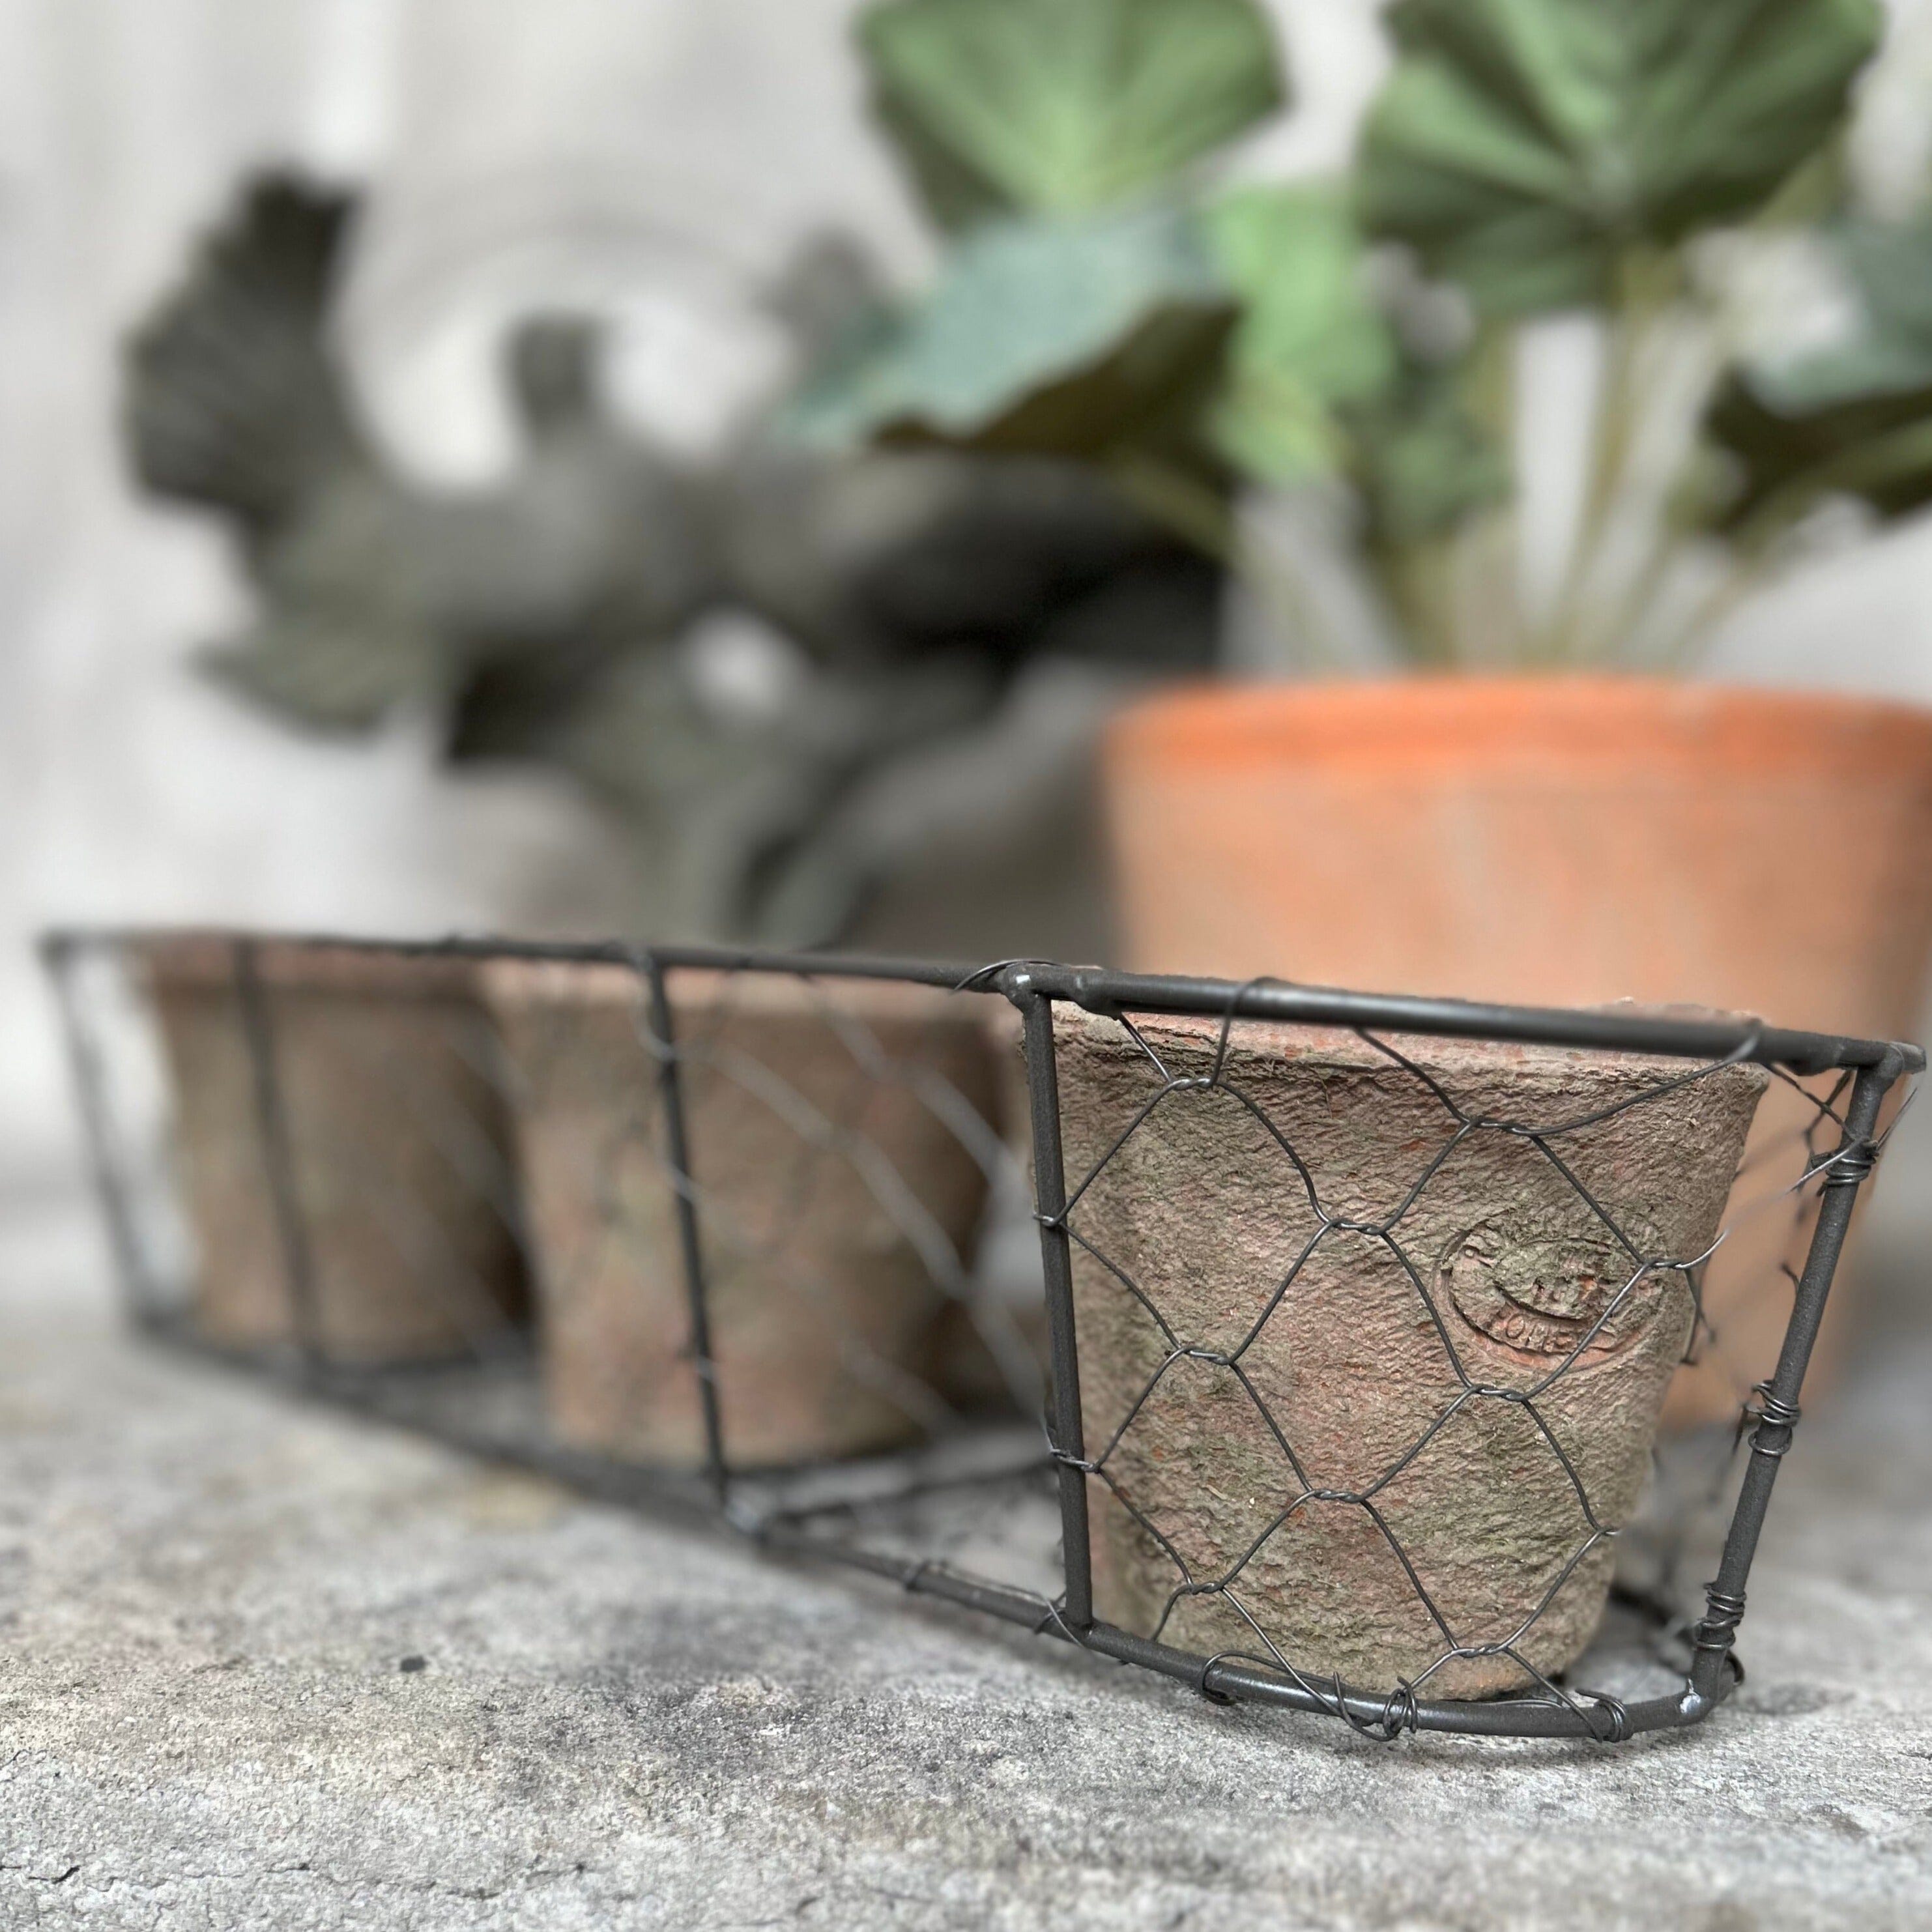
[[1100, 990]]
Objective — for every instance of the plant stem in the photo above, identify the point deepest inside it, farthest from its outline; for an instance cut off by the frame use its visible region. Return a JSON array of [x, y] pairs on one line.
[[1194, 511], [1417, 580], [1711, 609], [1452, 587], [1646, 286], [1489, 544]]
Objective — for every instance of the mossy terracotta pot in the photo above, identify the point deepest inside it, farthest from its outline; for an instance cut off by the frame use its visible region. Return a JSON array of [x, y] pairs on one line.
[[397, 1143], [1554, 840], [1406, 1380], [836, 1205]]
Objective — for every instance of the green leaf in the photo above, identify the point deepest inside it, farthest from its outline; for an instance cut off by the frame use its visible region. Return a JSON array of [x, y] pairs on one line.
[[1425, 461], [1057, 338], [1890, 269], [1854, 420], [1877, 448], [1522, 146], [1062, 107], [1309, 339], [1891, 265]]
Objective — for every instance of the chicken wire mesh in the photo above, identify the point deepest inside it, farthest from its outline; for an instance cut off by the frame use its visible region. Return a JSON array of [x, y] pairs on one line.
[[1408, 1361]]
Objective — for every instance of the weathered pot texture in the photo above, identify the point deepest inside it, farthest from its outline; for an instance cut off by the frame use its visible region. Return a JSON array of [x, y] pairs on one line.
[[836, 1205], [402, 1189], [1555, 842], [1371, 1359]]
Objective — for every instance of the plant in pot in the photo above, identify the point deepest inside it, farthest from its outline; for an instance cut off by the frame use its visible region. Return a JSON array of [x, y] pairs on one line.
[[1565, 820]]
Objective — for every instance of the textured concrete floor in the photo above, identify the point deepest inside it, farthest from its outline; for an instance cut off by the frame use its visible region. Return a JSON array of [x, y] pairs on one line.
[[262, 1667]]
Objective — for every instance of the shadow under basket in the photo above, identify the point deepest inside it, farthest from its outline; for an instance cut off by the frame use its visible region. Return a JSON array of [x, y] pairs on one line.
[[1361, 1309]]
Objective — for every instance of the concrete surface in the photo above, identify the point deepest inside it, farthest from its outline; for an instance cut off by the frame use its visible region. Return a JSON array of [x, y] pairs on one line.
[[261, 1666]]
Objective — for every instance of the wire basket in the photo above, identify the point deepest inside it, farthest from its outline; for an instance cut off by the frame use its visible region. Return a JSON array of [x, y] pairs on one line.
[[1308, 1347]]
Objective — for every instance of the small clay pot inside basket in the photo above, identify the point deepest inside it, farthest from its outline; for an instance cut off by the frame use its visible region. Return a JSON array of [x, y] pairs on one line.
[[1384, 1437], [836, 1204], [401, 1197]]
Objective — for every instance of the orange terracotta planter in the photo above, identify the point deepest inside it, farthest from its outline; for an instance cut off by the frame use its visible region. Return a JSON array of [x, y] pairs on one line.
[[1552, 840]]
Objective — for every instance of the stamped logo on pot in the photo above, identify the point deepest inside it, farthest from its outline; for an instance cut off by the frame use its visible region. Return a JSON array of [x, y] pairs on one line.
[[1538, 1283]]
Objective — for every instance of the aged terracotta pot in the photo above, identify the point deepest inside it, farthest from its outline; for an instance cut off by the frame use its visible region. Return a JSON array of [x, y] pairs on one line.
[[832, 1198], [1205, 1212], [397, 1138], [1555, 841]]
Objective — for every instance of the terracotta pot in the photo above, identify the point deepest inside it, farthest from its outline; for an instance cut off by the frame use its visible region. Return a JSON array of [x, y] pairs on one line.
[[1378, 1460], [397, 1144], [1555, 841], [836, 1205]]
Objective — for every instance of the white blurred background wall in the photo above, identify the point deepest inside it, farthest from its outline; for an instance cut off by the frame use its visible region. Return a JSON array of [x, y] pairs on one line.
[[653, 158]]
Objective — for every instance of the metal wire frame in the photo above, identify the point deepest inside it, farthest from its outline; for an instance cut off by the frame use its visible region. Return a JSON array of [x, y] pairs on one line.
[[793, 1516]]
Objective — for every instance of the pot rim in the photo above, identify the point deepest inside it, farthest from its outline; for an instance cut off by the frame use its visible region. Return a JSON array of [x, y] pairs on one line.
[[205, 960], [1608, 719], [1560, 1068], [522, 986]]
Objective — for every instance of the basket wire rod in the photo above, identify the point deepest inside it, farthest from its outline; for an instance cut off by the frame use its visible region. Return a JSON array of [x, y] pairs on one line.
[[1050, 1193], [677, 1145], [111, 1188], [1714, 1635], [1112, 993], [258, 1031], [1234, 1677]]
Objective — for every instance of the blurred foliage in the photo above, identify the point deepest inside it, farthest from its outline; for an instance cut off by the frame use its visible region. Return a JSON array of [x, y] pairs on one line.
[[1522, 149], [1052, 451], [1106, 297], [1853, 420], [1309, 341], [1059, 107], [1065, 336], [888, 599]]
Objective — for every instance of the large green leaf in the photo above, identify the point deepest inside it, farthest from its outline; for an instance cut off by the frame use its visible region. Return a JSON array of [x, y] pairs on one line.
[[1309, 339], [1853, 420], [1057, 338], [1521, 146], [1062, 106]]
